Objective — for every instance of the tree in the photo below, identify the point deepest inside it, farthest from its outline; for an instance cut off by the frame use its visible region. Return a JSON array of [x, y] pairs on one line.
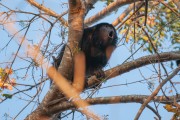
[[33, 33]]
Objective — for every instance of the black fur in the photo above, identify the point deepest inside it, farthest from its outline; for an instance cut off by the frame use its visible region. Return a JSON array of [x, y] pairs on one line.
[[57, 60], [94, 42], [98, 38]]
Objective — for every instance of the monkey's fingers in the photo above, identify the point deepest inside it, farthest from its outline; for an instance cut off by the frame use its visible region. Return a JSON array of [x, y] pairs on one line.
[[99, 74]]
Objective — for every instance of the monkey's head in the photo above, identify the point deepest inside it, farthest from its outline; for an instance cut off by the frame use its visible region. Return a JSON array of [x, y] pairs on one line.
[[104, 34]]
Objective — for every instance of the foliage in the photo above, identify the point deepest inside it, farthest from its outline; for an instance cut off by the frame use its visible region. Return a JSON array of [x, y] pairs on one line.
[[5, 81], [161, 23], [107, 1], [175, 110]]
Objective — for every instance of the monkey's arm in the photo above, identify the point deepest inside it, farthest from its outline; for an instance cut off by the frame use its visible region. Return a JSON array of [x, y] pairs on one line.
[[109, 50], [79, 71]]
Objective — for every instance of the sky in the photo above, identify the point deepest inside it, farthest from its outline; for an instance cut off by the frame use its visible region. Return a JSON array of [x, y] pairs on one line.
[[125, 111]]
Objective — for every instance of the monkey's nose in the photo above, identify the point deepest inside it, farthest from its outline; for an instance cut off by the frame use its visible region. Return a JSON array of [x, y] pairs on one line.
[[111, 34]]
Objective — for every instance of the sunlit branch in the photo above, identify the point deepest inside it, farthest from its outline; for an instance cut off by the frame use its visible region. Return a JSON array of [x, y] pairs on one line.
[[107, 10], [114, 100], [151, 97], [48, 11], [140, 62], [125, 13]]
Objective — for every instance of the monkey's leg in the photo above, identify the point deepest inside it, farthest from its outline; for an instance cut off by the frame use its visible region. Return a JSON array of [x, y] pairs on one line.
[[79, 71]]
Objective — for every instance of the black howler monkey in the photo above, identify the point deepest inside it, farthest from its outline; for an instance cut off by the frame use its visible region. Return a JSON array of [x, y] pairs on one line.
[[96, 47]]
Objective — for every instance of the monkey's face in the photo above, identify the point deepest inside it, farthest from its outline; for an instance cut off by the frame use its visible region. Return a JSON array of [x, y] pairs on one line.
[[104, 36]]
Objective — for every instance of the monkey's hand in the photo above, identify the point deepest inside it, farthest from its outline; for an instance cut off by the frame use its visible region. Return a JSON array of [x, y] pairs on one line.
[[99, 74]]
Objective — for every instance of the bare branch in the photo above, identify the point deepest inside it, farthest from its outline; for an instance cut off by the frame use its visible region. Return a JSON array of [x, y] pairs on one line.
[[126, 67], [76, 18], [151, 97], [113, 100], [125, 13], [107, 10], [48, 11], [169, 8]]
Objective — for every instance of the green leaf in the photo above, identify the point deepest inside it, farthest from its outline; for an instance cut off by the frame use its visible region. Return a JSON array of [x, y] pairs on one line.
[[145, 38], [9, 96]]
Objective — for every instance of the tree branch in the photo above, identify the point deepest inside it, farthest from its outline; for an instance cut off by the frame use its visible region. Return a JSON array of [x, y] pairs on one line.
[[107, 10], [76, 18], [52, 13], [151, 97], [176, 13], [125, 13], [126, 67], [177, 3], [113, 100], [140, 62], [48, 11]]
